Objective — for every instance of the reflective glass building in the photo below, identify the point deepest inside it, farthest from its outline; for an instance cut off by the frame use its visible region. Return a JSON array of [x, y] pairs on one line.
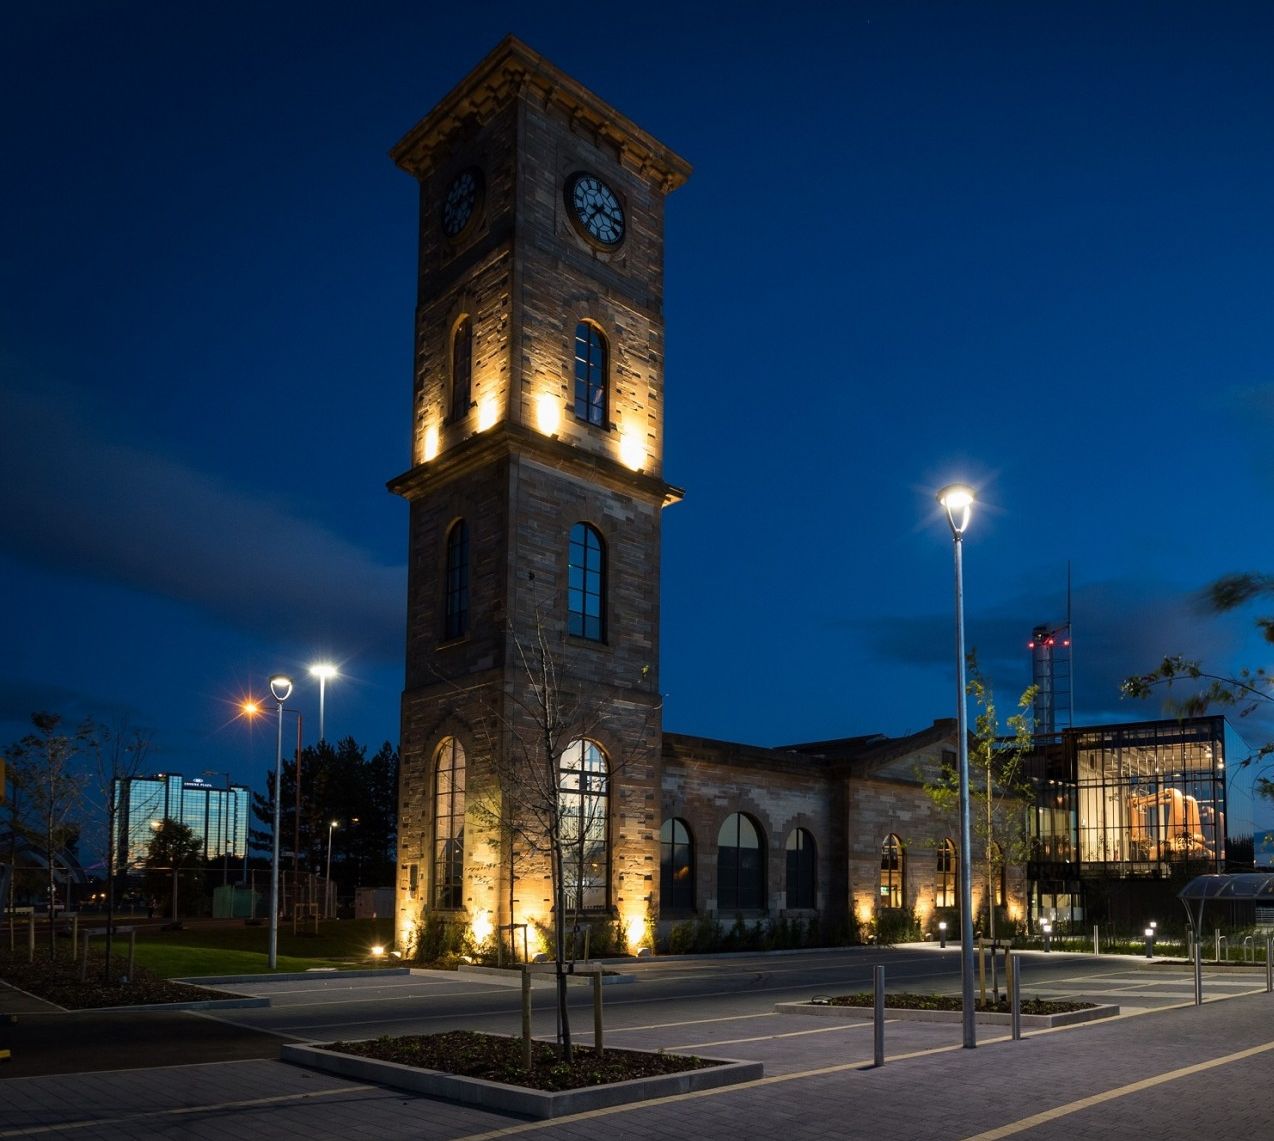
[[218, 816], [1125, 814]]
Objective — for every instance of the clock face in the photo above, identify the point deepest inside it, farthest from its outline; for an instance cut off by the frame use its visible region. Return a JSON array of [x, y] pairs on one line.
[[595, 209], [462, 198]]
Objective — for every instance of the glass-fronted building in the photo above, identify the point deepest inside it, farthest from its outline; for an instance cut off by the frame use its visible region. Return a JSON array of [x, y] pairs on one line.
[[218, 816], [1125, 814]]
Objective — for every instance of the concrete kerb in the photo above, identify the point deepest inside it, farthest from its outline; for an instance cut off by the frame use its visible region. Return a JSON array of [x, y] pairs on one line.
[[298, 976], [537, 1104]]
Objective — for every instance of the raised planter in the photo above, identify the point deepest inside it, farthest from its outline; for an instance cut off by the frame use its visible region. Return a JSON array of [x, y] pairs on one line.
[[519, 1099], [985, 1018]]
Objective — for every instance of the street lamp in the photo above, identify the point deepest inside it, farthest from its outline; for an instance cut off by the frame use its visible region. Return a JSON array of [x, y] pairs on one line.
[[281, 689], [957, 501], [327, 883], [322, 671]]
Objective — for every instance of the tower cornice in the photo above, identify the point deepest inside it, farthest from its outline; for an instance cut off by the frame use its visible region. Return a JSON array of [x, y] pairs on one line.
[[509, 439], [513, 69]]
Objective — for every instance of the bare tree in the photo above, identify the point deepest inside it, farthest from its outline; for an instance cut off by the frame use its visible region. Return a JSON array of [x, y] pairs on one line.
[[553, 782], [119, 753], [53, 789]]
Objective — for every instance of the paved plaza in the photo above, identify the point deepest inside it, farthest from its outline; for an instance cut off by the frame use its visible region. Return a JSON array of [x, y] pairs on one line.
[[1164, 1068]]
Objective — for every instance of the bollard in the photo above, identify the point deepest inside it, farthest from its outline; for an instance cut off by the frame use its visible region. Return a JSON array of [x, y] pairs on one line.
[[1013, 978], [1269, 964], [597, 1012], [31, 938], [878, 1016], [1198, 974], [1218, 945], [982, 972], [1096, 940], [526, 1016], [1150, 942]]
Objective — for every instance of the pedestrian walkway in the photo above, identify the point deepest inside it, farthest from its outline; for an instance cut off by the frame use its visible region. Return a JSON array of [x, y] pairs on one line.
[[1176, 1071]]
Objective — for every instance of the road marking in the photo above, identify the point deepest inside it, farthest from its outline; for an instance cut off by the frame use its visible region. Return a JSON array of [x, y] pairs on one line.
[[183, 1111], [863, 1024], [1110, 1095]]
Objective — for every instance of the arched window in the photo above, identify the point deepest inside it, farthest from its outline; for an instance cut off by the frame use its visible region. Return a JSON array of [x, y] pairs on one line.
[[582, 808], [448, 867], [891, 869], [740, 865], [676, 867], [456, 616], [591, 366], [802, 859], [945, 879], [461, 368], [995, 854], [586, 584]]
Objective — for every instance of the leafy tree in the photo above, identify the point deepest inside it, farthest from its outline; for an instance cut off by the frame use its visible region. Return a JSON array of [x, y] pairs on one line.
[[174, 864], [1245, 691], [998, 787], [52, 789]]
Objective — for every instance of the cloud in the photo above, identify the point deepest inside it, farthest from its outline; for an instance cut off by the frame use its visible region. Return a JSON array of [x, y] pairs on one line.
[[75, 499], [1121, 627]]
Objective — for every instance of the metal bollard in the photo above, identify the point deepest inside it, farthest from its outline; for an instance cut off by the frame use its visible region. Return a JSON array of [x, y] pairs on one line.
[[526, 1017], [1198, 974], [1269, 964], [1096, 940], [878, 1014], [1012, 969]]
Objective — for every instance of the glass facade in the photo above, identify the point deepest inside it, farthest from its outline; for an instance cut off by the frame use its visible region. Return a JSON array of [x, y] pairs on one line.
[[1161, 800], [217, 815]]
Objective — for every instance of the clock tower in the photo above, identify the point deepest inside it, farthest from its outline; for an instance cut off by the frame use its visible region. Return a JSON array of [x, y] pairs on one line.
[[535, 491]]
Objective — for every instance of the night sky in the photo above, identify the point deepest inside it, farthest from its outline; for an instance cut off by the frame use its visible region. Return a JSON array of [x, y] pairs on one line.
[[1027, 246]]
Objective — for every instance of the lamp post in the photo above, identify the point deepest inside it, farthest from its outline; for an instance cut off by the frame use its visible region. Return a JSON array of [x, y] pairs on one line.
[[957, 501], [281, 689], [327, 882], [322, 671]]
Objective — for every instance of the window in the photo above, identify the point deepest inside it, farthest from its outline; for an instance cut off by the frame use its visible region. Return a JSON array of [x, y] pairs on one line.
[[461, 368], [995, 854], [676, 867], [590, 374], [449, 826], [582, 806], [945, 890], [456, 617], [802, 858], [586, 584], [891, 869], [740, 865]]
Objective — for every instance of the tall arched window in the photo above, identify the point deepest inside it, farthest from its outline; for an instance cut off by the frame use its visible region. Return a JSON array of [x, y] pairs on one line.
[[461, 368], [591, 366], [995, 854], [891, 869], [676, 867], [740, 865], [802, 861], [448, 869], [945, 878], [586, 584], [456, 612], [582, 808]]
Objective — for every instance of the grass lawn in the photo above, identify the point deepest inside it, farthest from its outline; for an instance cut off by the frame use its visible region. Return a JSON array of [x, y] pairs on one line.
[[234, 948]]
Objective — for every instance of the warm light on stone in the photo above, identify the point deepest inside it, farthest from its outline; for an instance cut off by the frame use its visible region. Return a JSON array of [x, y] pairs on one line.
[[486, 413], [632, 451], [548, 413], [431, 442]]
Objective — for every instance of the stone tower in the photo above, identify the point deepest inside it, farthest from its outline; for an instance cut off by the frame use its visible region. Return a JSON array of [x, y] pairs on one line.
[[535, 490]]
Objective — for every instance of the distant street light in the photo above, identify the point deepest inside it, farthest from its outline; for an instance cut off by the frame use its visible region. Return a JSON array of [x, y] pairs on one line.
[[957, 501], [327, 883], [322, 671], [281, 689]]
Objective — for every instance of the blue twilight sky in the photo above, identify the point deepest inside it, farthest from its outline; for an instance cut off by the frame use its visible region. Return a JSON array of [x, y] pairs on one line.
[[1026, 245]]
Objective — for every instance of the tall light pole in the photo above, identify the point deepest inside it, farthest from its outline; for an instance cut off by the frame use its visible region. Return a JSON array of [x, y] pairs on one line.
[[281, 689], [957, 501], [327, 883], [322, 671]]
